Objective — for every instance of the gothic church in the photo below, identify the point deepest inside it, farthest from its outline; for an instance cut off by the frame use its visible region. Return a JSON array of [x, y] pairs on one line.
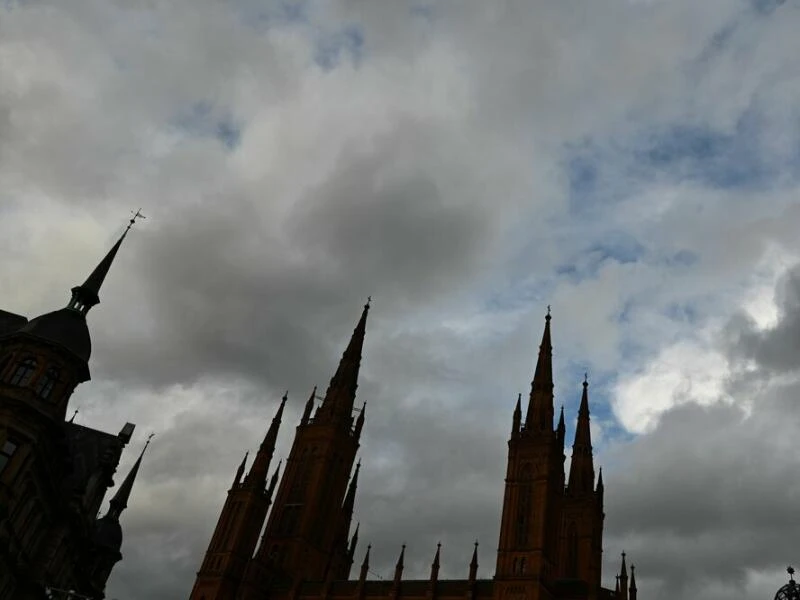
[[551, 531]]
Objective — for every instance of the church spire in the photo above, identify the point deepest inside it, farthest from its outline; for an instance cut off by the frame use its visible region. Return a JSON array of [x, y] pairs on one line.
[[338, 403], [581, 472], [258, 472], [120, 500], [435, 564], [540, 406], [240, 470], [87, 295], [365, 565], [309, 407], [350, 498], [398, 568], [633, 590]]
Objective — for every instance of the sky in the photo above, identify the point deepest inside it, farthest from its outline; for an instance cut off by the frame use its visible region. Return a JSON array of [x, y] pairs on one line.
[[635, 164]]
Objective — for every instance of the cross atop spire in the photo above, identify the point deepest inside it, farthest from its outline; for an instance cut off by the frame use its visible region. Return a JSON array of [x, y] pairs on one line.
[[87, 295]]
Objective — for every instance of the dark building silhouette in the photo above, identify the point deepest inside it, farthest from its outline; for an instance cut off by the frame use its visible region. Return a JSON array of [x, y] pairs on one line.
[[54, 473], [551, 532]]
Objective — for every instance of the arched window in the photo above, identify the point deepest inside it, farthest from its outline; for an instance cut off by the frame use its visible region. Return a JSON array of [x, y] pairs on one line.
[[46, 382], [572, 551], [24, 372]]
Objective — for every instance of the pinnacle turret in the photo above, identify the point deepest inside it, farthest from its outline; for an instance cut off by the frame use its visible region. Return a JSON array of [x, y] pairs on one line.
[[365, 565], [473, 564], [240, 470], [581, 473], [257, 476], [517, 419], [435, 564], [120, 500], [309, 407], [539, 416], [398, 568]]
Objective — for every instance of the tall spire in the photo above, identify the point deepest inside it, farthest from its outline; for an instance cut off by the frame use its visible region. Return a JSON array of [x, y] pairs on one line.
[[632, 589], [540, 406], [341, 393], [623, 580], [258, 472], [87, 295], [581, 472], [120, 500]]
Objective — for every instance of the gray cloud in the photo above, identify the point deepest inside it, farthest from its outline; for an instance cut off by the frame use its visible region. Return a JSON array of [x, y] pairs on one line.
[[432, 173]]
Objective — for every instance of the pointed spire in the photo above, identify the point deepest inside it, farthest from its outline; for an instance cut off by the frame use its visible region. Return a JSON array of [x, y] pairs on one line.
[[623, 580], [398, 568], [539, 416], [562, 428], [120, 500], [338, 403], [581, 472], [309, 407], [473, 564], [353, 543], [360, 421], [257, 476], [85, 296], [633, 589], [517, 420], [365, 565], [435, 563], [350, 497], [240, 470], [274, 481], [616, 587]]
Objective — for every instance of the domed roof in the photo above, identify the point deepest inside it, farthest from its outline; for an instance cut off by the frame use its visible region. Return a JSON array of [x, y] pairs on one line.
[[65, 327], [108, 533]]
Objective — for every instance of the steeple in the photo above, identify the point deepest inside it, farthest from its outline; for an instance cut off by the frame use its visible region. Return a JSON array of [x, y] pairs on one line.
[[540, 406], [473, 564], [120, 500], [85, 296], [351, 552], [561, 429], [633, 590], [581, 473], [257, 476], [435, 564], [338, 403]]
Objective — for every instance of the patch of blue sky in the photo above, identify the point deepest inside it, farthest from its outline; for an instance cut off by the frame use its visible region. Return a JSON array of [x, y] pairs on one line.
[[203, 119], [269, 15], [345, 44]]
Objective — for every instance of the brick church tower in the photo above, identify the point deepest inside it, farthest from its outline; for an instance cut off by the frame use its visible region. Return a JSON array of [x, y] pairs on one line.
[[551, 527]]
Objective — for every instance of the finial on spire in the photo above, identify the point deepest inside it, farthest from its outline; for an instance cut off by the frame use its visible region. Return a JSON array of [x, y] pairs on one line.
[[585, 379], [789, 570], [548, 312], [72, 418], [136, 215]]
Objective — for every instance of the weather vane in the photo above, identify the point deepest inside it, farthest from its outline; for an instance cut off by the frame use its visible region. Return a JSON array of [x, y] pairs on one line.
[[137, 214]]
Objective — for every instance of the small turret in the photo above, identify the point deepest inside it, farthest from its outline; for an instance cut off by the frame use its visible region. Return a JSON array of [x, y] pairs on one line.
[[273, 482], [309, 407], [360, 421], [633, 590], [257, 476], [240, 470], [473, 564], [398, 568], [365, 565], [517, 420], [435, 564]]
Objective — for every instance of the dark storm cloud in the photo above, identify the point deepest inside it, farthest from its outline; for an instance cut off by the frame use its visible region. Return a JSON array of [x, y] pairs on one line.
[[776, 349]]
